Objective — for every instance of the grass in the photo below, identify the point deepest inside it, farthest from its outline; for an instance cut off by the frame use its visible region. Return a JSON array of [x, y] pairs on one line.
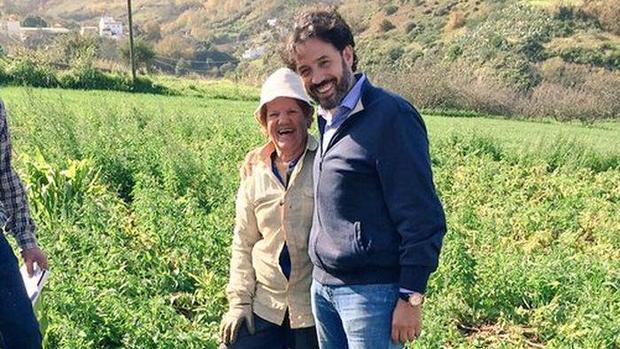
[[527, 136], [220, 89], [133, 195]]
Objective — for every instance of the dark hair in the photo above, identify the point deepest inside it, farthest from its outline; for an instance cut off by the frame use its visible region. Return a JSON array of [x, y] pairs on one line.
[[324, 24]]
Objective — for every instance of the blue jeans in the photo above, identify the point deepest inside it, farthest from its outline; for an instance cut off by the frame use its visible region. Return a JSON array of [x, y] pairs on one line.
[[18, 326], [355, 316]]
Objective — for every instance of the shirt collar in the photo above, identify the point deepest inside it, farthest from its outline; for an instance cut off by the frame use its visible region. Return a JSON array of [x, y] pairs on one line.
[[264, 154], [352, 97]]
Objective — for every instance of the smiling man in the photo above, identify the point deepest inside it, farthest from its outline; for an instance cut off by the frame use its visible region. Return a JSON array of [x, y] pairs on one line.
[[378, 224]]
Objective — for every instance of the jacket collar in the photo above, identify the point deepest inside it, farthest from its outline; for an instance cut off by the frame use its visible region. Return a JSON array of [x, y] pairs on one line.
[[367, 89], [264, 153]]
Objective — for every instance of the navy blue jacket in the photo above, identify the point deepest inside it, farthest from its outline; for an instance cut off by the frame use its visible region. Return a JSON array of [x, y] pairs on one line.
[[377, 217]]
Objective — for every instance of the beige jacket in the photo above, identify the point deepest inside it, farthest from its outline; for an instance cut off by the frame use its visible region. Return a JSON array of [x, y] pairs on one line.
[[267, 216]]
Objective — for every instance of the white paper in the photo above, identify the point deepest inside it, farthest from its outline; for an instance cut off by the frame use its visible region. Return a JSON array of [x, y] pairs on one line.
[[34, 284]]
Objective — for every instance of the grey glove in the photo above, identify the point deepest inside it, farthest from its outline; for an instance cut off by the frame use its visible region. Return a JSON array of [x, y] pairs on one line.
[[232, 321]]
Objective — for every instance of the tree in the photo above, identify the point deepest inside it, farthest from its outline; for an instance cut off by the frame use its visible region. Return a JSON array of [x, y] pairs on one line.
[[206, 52], [175, 46], [151, 31], [33, 21], [143, 54], [75, 47]]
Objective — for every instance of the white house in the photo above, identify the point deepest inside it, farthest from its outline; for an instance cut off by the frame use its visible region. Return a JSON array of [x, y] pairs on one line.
[[110, 28], [253, 53]]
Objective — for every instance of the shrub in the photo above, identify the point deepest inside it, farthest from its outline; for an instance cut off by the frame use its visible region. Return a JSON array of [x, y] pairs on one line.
[[395, 53], [59, 194], [454, 52], [571, 93], [4, 78], [410, 26], [556, 71], [146, 85], [87, 78], [509, 36], [29, 73], [76, 49], [607, 12], [143, 54], [386, 25], [34, 21], [597, 57], [533, 49], [390, 9]]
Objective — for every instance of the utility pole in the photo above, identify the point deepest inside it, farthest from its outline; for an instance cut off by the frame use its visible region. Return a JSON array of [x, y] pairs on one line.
[[132, 58]]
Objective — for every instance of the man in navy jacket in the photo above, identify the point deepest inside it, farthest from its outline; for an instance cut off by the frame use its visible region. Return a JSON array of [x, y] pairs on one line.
[[378, 224]]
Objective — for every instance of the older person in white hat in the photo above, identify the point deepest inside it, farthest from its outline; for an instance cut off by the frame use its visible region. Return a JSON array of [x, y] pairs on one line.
[[270, 271]]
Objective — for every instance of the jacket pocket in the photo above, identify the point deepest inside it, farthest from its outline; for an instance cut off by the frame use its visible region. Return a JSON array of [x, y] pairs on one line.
[[344, 249]]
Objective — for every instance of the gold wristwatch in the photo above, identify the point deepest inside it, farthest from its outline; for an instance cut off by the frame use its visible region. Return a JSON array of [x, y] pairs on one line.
[[414, 299]]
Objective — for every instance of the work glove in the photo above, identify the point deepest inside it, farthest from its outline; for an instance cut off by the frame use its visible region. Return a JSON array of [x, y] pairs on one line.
[[232, 321]]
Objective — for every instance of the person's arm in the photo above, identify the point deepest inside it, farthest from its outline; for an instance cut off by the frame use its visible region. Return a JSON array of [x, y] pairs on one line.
[[242, 284], [404, 168], [15, 204]]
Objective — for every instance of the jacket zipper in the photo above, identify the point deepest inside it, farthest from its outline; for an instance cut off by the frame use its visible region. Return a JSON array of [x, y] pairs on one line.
[[340, 130]]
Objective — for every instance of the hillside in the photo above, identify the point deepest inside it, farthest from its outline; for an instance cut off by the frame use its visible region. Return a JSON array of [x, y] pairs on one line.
[[416, 27]]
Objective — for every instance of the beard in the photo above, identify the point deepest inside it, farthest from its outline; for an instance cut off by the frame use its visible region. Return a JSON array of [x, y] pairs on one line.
[[343, 85]]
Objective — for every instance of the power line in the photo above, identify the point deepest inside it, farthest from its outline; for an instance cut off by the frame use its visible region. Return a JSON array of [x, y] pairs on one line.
[[185, 68], [199, 62]]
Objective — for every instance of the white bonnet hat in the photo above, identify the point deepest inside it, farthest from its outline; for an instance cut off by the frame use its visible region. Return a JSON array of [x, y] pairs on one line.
[[281, 83]]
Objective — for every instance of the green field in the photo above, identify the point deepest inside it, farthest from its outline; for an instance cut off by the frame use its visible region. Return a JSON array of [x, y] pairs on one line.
[[134, 195]]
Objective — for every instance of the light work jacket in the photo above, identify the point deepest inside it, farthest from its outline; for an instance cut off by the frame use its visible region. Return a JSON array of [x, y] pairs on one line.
[[268, 215]]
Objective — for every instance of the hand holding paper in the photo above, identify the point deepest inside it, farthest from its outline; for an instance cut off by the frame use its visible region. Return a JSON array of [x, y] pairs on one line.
[[33, 255], [34, 283]]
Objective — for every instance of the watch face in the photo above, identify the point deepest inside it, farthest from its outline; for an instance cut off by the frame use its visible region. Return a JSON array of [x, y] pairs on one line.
[[416, 299]]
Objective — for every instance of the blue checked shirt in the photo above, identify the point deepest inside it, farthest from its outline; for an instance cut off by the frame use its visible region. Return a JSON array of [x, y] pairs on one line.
[[14, 214]]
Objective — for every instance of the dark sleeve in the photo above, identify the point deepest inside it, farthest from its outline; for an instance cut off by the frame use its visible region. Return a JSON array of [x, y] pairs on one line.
[[12, 193], [404, 167]]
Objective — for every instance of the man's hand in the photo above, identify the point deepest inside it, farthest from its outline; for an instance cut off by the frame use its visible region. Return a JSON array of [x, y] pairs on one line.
[[248, 164], [252, 157], [32, 255], [232, 321], [406, 322]]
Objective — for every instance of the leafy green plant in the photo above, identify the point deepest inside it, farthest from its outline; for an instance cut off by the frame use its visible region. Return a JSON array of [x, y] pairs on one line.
[[134, 201], [28, 72]]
